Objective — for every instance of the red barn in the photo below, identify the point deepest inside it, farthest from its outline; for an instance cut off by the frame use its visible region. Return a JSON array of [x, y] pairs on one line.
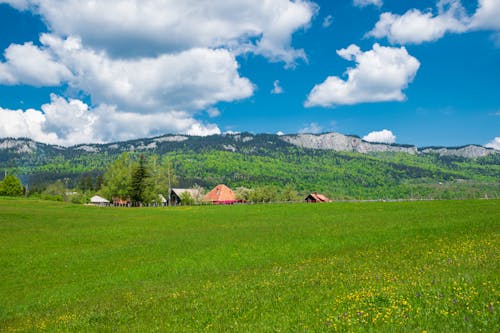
[[316, 197]]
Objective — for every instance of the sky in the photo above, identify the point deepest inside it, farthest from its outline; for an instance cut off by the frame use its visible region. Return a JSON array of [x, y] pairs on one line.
[[423, 72]]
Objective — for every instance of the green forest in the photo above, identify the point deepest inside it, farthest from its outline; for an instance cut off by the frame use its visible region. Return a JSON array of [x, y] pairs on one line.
[[267, 162]]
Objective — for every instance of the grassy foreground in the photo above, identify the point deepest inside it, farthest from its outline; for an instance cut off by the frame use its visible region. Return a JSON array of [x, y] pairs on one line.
[[411, 266]]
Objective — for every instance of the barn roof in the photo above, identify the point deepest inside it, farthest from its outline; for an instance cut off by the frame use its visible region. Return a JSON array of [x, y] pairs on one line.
[[98, 199], [192, 191], [319, 197], [220, 193]]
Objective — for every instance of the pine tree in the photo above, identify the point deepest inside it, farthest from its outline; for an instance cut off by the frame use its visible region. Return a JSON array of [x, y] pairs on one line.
[[139, 182]]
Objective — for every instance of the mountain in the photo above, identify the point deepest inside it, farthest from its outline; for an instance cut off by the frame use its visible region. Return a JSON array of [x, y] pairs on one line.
[[469, 151], [341, 142], [341, 166], [327, 141]]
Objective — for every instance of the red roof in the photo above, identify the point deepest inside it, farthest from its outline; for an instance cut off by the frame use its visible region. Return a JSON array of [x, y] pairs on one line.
[[221, 194], [316, 197]]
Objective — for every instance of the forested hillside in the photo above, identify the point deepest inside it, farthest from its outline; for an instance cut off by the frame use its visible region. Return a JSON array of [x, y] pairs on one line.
[[247, 160]]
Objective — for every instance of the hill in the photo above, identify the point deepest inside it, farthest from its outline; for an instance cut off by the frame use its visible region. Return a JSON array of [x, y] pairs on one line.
[[339, 165], [359, 267]]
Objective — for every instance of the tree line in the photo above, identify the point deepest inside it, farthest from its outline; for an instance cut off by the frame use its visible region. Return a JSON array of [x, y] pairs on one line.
[[138, 180]]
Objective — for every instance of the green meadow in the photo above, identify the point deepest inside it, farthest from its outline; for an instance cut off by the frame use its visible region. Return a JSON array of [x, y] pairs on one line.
[[364, 267]]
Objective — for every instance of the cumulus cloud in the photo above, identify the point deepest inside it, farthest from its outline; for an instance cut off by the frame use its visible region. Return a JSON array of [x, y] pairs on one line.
[[165, 26], [364, 3], [134, 97], [277, 89], [415, 27], [487, 15], [383, 136], [28, 64], [190, 80], [380, 75], [312, 128], [70, 122], [495, 143]]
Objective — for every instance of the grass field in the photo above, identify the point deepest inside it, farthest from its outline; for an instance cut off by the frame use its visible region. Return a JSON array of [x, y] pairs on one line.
[[409, 266]]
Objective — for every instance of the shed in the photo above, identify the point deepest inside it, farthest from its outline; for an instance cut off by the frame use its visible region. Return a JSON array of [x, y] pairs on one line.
[[221, 195], [317, 197], [99, 201], [176, 195]]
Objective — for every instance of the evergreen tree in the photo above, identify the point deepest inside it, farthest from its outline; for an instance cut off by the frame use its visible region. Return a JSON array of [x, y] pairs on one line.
[[139, 183]]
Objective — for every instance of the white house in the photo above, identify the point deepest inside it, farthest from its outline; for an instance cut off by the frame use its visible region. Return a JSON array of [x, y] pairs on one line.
[[99, 201]]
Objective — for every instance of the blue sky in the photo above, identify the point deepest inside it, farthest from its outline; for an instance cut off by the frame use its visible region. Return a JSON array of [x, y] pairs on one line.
[[423, 72]]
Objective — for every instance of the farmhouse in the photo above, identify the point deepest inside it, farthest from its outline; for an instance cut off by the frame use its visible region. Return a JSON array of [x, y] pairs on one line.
[[176, 195], [316, 197], [221, 195], [99, 201]]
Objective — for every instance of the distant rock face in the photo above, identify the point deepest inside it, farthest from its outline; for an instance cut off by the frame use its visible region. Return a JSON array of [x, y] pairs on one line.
[[174, 138], [470, 151], [20, 146], [341, 142], [90, 149]]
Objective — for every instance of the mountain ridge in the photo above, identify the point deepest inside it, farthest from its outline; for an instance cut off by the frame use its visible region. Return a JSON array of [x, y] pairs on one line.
[[324, 141]]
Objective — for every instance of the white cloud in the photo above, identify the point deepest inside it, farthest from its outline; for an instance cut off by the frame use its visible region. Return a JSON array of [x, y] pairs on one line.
[[495, 143], [18, 4], [487, 15], [70, 122], [277, 89], [27, 64], [134, 97], [327, 21], [213, 112], [190, 80], [383, 136], [380, 75], [415, 27], [312, 128], [364, 3], [164, 26], [280, 133]]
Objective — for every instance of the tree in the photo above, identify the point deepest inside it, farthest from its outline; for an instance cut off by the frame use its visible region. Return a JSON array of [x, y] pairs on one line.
[[267, 193], [11, 186], [117, 178], [139, 183], [289, 193], [243, 193], [187, 199]]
